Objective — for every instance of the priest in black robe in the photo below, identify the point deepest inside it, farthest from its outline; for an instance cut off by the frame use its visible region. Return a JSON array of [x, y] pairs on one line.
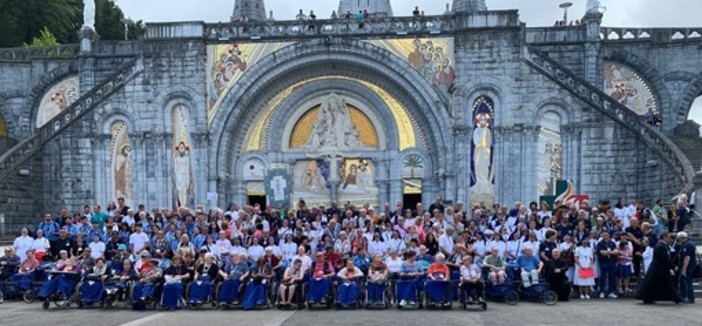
[[658, 283], [556, 275]]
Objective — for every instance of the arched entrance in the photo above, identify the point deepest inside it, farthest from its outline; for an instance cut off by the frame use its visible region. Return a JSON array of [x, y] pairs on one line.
[[271, 117]]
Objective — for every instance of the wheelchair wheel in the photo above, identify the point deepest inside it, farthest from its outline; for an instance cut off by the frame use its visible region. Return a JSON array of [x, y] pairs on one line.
[[550, 297], [511, 298], [483, 305], [2, 297], [29, 296], [45, 304]]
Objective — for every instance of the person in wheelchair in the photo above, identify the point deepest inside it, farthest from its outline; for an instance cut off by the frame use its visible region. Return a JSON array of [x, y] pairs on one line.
[[237, 271], [23, 276], [496, 266], [530, 267], [378, 276], [174, 277], [319, 284], [349, 288], [123, 278], [63, 280], [292, 278], [8, 264], [200, 290], [470, 282], [256, 289], [408, 284], [145, 287], [438, 286], [92, 289]]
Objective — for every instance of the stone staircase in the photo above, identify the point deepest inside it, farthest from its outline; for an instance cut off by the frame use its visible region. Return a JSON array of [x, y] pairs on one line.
[[665, 149], [692, 147], [15, 157]]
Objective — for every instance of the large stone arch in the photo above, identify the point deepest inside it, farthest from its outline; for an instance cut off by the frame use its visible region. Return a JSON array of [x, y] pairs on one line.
[[653, 77], [317, 58], [689, 95]]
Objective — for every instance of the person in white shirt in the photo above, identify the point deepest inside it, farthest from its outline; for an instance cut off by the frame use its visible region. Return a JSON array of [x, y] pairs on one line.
[[256, 251], [342, 245], [23, 243], [97, 248], [446, 242], [223, 245], [138, 240], [304, 258], [41, 245], [394, 262], [377, 246], [129, 219]]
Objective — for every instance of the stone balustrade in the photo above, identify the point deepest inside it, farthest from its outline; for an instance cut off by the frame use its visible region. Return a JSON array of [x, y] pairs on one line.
[[28, 53], [661, 35], [371, 27], [663, 146]]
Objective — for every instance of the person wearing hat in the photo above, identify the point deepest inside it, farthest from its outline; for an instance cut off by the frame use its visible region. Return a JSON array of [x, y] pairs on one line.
[[657, 285], [687, 256]]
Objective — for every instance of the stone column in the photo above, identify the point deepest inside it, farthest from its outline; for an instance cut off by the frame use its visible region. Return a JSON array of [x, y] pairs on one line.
[[593, 59], [529, 162], [462, 135]]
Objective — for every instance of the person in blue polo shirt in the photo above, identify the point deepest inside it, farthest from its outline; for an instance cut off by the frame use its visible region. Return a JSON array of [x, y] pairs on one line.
[[607, 255], [530, 267]]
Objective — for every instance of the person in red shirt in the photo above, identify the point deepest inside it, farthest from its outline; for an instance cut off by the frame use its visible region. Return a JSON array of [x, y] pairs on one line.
[[334, 258], [438, 286]]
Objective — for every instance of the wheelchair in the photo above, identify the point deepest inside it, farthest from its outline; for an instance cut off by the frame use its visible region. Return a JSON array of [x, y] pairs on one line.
[[409, 289], [438, 294], [350, 294], [505, 292], [258, 294], [384, 289], [90, 291], [117, 291], [298, 298], [61, 289], [224, 293], [325, 300], [467, 297], [539, 291], [146, 294], [200, 292]]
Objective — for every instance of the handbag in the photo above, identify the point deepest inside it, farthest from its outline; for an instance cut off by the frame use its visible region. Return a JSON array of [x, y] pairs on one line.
[[586, 272]]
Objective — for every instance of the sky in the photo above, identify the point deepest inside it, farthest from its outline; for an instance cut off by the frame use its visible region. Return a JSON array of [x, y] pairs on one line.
[[618, 13]]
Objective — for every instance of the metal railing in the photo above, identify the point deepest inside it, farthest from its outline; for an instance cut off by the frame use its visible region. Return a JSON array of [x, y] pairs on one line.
[[666, 150], [15, 157]]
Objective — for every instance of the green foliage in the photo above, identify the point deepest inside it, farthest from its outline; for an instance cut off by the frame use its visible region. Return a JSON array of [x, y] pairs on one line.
[[45, 38], [23, 20]]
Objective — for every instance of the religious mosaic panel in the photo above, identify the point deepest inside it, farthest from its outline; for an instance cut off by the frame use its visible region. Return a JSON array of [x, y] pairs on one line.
[[433, 58], [183, 180], [482, 150], [627, 87], [358, 182], [227, 63], [121, 162], [413, 167], [311, 181], [550, 151], [57, 99]]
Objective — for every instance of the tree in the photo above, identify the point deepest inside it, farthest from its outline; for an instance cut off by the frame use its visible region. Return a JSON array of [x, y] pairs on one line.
[[45, 38], [23, 20]]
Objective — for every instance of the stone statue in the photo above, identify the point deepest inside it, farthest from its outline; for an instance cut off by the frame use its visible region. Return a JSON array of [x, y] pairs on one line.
[[593, 6], [333, 128], [89, 14], [482, 139]]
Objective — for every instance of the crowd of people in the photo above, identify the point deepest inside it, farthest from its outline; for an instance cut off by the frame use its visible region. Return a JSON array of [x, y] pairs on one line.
[[594, 250]]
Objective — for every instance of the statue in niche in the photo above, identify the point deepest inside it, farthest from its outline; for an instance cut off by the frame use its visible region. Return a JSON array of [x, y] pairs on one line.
[[593, 6], [181, 166], [123, 172], [334, 129], [482, 139], [183, 181]]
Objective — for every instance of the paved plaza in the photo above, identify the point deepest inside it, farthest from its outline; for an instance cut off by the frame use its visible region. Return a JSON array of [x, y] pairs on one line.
[[574, 313]]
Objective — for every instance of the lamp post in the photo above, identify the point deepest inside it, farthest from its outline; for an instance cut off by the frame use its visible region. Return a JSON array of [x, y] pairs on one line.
[[565, 7]]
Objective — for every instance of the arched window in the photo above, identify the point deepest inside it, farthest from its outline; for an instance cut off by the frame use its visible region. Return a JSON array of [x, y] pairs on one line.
[[696, 111], [483, 117], [549, 153]]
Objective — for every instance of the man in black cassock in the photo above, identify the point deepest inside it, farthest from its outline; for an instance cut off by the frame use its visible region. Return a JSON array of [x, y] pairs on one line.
[[556, 275], [658, 283]]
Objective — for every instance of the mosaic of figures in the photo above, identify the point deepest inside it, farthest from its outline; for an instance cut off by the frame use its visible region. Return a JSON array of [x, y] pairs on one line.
[[627, 87], [121, 162], [227, 63], [550, 153], [433, 58], [311, 181], [183, 181], [57, 99]]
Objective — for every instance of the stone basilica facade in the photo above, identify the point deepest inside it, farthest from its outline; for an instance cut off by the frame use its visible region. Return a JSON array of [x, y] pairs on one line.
[[471, 105]]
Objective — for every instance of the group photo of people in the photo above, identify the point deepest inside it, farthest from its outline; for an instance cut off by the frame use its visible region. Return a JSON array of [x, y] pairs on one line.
[[342, 256]]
